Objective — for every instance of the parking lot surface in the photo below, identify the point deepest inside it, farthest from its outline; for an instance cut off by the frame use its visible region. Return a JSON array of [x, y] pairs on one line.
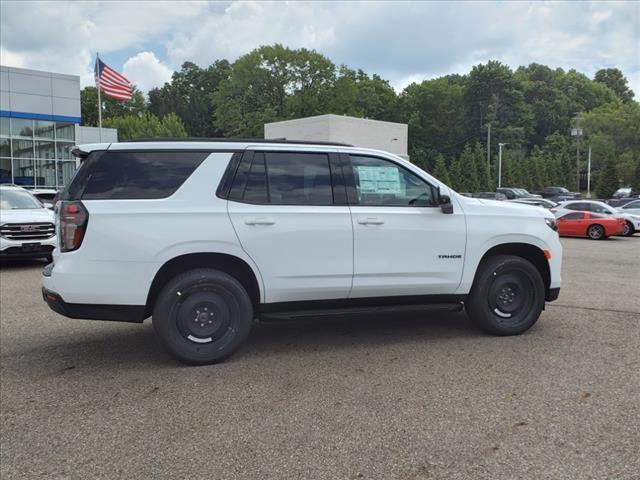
[[373, 397]]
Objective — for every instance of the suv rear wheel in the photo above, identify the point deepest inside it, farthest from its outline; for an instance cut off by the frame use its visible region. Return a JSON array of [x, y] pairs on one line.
[[202, 316], [507, 295]]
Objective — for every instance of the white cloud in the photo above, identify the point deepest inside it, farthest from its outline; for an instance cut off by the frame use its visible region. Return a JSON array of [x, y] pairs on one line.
[[145, 71], [401, 41]]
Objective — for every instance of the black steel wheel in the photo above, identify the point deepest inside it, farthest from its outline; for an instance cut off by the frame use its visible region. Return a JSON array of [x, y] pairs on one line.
[[202, 316], [507, 296]]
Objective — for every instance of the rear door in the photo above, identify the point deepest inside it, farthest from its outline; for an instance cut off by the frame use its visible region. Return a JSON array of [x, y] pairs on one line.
[[403, 243], [290, 214]]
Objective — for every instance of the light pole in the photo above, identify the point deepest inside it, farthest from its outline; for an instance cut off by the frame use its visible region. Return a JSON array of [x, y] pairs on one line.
[[577, 132], [500, 145]]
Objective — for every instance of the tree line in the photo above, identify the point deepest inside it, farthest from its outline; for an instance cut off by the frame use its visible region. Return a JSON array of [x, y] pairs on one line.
[[532, 109]]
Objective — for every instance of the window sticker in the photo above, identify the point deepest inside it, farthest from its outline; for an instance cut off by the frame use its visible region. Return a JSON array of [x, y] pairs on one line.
[[384, 180]]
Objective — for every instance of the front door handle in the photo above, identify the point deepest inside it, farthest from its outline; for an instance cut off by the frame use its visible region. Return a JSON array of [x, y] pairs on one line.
[[370, 221], [259, 221]]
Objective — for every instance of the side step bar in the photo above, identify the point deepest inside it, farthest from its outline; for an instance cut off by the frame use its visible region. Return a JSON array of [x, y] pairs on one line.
[[359, 310]]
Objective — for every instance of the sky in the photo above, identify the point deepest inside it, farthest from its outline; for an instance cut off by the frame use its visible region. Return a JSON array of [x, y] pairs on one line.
[[402, 41]]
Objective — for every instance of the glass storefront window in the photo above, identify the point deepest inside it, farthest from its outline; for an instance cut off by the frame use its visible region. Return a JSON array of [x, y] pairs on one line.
[[23, 171], [4, 126], [44, 129], [63, 150], [21, 127], [5, 170], [22, 148], [66, 171], [65, 131], [45, 173], [45, 149], [5, 147]]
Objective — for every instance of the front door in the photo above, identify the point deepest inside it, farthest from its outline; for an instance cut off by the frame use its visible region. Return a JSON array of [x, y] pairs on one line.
[[282, 208], [403, 243]]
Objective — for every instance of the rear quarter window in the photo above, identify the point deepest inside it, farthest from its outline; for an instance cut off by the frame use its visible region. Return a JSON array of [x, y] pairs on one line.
[[120, 175]]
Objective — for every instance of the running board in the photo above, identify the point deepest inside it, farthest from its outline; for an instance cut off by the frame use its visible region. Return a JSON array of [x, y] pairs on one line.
[[332, 312]]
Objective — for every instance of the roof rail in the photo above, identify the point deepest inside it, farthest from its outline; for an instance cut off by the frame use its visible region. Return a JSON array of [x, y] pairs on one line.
[[240, 140]]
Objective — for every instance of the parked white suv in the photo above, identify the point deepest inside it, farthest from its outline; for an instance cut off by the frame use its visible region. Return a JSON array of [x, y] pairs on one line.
[[26, 226], [207, 236]]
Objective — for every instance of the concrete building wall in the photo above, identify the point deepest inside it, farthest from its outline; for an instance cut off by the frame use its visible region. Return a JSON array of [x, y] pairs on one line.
[[360, 132], [40, 95]]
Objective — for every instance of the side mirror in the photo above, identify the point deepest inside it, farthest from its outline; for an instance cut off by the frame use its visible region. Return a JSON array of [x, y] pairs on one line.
[[445, 203]]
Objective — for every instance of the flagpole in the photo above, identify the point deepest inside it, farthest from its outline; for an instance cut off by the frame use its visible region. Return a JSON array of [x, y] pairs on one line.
[[99, 100]]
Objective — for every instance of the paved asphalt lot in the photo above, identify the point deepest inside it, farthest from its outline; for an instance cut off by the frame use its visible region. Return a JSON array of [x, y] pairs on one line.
[[402, 397]]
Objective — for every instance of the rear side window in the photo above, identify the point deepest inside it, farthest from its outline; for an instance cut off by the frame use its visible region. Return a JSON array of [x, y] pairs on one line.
[[120, 175], [573, 216], [285, 178]]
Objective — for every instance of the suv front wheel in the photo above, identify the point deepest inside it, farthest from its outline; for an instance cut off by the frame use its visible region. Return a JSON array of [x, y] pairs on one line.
[[202, 316], [507, 295]]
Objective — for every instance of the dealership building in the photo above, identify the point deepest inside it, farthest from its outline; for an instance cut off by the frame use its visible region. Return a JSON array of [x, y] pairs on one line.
[[39, 125]]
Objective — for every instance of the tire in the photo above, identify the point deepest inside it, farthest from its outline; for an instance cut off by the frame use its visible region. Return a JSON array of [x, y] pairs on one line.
[[202, 316], [507, 296], [595, 232], [628, 229]]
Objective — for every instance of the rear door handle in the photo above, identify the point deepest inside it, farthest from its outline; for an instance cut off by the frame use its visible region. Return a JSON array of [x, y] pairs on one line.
[[259, 221], [370, 221]]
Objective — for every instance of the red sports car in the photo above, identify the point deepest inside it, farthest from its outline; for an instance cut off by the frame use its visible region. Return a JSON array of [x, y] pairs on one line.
[[587, 224]]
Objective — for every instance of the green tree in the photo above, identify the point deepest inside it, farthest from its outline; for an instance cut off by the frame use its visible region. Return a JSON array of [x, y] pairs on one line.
[[272, 83], [188, 95], [440, 171], [469, 170], [132, 127], [608, 179], [616, 81], [111, 107]]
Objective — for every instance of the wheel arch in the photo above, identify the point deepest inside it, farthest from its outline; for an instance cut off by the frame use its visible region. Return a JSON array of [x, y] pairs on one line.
[[234, 266], [529, 252]]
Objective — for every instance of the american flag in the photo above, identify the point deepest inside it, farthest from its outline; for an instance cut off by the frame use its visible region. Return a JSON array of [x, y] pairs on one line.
[[111, 82]]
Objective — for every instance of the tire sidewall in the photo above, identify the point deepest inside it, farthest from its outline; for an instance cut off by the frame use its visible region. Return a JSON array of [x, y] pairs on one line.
[[165, 322]]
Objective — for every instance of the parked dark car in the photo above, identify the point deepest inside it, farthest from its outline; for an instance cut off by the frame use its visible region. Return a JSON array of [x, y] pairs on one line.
[[489, 195], [513, 193], [559, 194]]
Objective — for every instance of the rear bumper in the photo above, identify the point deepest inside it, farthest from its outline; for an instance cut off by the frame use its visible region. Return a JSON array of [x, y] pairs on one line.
[[118, 313]]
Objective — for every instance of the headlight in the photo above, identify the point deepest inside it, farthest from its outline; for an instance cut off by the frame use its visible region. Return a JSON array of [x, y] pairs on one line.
[[551, 223]]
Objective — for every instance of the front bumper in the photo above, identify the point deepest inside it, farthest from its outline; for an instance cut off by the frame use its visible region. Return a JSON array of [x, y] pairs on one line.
[[118, 313], [26, 249]]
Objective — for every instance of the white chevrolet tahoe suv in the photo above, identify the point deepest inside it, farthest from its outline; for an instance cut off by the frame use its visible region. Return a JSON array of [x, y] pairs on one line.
[[206, 236]]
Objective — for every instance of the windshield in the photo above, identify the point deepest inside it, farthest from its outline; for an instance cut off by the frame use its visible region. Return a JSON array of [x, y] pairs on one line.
[[17, 199]]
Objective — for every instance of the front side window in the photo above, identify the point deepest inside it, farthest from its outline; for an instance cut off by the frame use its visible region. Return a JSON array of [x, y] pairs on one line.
[[582, 207], [632, 205], [383, 183]]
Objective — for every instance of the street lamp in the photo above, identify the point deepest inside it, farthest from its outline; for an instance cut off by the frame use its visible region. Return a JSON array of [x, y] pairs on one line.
[[500, 145], [577, 132]]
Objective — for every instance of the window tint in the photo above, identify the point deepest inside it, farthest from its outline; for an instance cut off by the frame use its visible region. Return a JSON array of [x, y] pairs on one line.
[[573, 216], [632, 205], [299, 178], [255, 190], [383, 183], [134, 175]]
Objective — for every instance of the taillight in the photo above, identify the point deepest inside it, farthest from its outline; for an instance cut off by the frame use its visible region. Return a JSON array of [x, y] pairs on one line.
[[73, 225]]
